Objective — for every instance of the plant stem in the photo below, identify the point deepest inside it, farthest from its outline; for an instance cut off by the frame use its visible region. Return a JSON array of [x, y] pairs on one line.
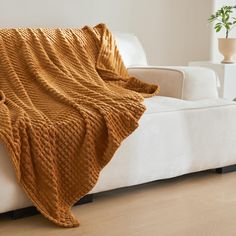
[[227, 33]]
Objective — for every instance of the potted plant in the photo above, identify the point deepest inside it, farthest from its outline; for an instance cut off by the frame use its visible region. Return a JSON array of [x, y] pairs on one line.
[[225, 20]]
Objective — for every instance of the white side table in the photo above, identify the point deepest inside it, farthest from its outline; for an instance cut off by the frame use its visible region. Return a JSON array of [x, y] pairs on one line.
[[226, 74]]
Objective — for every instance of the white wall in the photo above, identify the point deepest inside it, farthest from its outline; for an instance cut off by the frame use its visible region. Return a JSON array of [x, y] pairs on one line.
[[172, 31]]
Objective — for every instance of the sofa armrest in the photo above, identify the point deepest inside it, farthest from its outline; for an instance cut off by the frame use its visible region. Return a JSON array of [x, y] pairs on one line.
[[188, 83]]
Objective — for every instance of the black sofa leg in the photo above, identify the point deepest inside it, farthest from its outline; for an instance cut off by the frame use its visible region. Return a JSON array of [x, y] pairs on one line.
[[24, 212], [226, 169], [30, 211], [84, 200]]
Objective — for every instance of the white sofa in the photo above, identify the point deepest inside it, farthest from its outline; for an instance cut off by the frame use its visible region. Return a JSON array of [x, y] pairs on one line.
[[185, 129]]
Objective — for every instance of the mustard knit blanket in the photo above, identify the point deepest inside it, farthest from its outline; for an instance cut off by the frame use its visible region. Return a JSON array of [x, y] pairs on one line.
[[66, 104]]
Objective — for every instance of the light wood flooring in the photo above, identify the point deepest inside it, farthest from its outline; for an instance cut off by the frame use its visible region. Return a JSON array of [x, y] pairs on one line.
[[202, 204]]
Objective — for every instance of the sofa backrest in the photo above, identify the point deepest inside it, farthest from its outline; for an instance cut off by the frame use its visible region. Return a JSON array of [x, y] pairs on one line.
[[130, 49]]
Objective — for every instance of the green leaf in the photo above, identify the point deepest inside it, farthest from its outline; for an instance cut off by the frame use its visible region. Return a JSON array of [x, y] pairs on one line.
[[227, 26], [218, 29], [226, 17], [212, 18]]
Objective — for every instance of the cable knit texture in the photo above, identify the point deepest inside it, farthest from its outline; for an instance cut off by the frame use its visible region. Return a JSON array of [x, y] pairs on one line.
[[66, 104]]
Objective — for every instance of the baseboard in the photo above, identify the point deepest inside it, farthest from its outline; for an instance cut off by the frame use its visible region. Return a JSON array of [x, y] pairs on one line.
[[226, 169], [30, 211]]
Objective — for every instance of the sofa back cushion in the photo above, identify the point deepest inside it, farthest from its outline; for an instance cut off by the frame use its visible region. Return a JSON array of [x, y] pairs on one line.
[[130, 49]]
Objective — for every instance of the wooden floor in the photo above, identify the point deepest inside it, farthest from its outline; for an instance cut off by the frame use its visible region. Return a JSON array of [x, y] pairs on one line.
[[202, 204]]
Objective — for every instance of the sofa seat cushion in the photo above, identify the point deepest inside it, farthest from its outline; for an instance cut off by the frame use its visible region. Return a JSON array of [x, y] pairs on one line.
[[159, 104], [174, 137]]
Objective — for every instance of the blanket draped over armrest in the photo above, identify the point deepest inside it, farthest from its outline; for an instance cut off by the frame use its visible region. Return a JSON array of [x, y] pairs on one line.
[[66, 104]]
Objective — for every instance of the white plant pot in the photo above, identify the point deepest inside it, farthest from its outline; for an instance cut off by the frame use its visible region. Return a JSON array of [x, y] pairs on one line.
[[227, 47]]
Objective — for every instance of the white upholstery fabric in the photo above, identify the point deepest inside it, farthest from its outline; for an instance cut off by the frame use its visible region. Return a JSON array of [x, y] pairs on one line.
[[11, 195], [175, 137], [199, 83], [189, 83], [131, 50]]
